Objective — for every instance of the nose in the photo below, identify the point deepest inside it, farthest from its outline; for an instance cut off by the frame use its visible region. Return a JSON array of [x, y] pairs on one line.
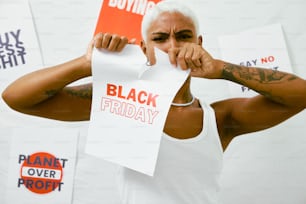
[[173, 42]]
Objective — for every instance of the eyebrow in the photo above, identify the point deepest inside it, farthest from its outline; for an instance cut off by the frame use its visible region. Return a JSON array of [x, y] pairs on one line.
[[179, 32], [183, 31], [160, 33]]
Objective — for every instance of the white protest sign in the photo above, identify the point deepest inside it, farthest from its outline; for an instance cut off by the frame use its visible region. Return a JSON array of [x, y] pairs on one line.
[[41, 165], [130, 105], [19, 53], [259, 47], [19, 48]]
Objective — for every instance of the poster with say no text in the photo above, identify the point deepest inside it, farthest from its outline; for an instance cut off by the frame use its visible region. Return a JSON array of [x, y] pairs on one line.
[[259, 47]]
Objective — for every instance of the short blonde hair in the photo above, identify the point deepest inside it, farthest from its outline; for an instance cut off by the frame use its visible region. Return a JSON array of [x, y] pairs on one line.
[[166, 6]]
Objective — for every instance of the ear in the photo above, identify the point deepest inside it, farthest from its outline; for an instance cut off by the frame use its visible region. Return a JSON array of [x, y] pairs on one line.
[[200, 40], [149, 52], [143, 47]]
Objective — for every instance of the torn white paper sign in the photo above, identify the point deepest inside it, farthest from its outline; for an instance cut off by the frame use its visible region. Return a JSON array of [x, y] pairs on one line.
[[130, 106]]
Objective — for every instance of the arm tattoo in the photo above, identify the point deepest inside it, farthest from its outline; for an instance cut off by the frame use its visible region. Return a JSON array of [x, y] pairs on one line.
[[84, 91], [254, 77], [51, 93], [239, 74]]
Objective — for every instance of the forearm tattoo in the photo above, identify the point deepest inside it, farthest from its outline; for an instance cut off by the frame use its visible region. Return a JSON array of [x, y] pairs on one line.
[[253, 78], [84, 91], [51, 93], [240, 74]]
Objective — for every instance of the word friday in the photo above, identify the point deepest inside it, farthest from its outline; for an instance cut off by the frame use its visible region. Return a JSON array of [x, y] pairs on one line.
[[124, 104]]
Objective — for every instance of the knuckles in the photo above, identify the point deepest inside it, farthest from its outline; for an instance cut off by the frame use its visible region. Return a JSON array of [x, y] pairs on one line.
[[112, 42]]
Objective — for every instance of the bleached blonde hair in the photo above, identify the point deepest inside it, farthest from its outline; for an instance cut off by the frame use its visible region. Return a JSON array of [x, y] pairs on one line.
[[166, 6]]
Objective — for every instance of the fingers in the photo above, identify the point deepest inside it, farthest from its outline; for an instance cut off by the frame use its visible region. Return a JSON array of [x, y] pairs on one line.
[[151, 56], [111, 42], [194, 57], [188, 56], [117, 43], [89, 49], [172, 53], [132, 41]]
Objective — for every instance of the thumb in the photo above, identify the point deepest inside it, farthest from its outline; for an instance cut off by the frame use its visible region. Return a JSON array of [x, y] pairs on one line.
[[90, 49], [132, 41]]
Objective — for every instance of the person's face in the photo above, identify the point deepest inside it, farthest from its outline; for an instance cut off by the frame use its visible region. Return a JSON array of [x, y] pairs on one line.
[[170, 30]]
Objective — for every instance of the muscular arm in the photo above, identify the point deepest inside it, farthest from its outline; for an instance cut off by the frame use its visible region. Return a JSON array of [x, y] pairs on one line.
[[283, 88], [46, 92], [281, 96]]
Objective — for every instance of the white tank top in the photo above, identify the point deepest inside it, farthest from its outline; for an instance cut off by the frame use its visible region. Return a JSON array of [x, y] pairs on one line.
[[187, 170]]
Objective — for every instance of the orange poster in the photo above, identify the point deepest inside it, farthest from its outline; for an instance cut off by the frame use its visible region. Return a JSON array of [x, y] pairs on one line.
[[123, 17]]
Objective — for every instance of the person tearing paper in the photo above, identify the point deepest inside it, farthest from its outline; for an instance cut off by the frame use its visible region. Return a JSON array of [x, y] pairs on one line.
[[195, 133]]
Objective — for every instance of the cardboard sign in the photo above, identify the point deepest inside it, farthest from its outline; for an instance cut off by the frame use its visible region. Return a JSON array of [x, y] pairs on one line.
[[41, 165], [260, 47], [130, 104], [123, 17]]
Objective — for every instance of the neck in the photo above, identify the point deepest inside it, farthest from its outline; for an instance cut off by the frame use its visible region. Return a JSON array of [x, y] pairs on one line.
[[184, 104], [184, 95]]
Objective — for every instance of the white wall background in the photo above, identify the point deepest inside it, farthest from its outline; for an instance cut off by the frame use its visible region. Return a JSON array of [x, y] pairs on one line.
[[268, 167]]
